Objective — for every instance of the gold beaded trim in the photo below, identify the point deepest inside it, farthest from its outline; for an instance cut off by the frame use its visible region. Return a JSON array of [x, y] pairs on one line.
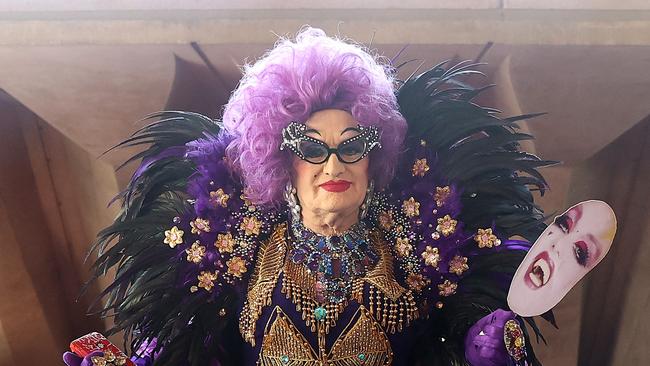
[[365, 338], [392, 305], [362, 342], [263, 280], [298, 286], [283, 344]]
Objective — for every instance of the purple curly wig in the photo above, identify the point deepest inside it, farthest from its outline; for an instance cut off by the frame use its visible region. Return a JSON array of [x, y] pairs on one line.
[[294, 80]]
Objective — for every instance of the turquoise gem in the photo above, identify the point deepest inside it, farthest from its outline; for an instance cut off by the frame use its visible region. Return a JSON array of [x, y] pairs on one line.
[[362, 357], [284, 359], [320, 313]]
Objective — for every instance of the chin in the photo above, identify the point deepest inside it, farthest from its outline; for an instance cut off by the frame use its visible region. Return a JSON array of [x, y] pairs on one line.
[[337, 209], [340, 202]]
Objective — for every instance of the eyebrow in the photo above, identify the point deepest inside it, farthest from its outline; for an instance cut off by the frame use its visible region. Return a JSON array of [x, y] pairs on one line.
[[599, 244], [312, 130], [353, 129]]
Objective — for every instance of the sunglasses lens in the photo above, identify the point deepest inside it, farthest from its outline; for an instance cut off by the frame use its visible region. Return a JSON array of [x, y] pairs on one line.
[[352, 151], [313, 152]]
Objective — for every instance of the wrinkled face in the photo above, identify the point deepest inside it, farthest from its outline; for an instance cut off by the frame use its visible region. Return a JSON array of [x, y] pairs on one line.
[[332, 187], [570, 247]]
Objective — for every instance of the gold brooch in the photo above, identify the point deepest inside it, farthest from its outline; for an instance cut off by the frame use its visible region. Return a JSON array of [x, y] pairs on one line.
[[513, 336], [109, 359]]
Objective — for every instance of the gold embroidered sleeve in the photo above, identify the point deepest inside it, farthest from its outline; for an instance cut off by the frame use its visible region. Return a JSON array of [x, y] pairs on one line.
[[263, 280], [391, 304]]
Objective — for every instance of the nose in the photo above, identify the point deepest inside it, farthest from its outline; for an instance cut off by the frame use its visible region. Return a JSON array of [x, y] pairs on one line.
[[333, 166]]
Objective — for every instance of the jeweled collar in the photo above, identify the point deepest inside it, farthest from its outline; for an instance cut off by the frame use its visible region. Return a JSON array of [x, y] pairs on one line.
[[336, 260]]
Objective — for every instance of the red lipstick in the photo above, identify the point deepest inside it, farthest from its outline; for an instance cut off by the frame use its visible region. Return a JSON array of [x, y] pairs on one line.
[[336, 185]]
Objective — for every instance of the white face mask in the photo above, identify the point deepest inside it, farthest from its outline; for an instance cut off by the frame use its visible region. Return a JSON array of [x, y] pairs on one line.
[[563, 254]]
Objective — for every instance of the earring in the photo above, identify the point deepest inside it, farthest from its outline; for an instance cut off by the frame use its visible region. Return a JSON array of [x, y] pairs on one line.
[[291, 196], [365, 206]]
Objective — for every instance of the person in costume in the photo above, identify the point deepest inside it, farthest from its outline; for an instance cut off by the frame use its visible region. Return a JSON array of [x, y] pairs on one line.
[[335, 216]]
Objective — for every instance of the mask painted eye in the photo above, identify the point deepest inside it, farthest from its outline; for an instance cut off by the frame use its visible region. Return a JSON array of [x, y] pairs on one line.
[[352, 150], [581, 252], [564, 222], [312, 150]]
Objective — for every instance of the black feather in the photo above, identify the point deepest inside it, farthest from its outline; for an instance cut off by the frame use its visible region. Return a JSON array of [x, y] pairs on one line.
[[479, 153], [142, 299]]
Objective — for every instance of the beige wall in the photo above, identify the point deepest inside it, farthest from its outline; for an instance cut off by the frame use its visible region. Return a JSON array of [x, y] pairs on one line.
[[616, 327], [52, 202]]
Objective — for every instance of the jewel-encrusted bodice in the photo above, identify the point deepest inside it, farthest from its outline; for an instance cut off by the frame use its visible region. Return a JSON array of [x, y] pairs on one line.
[[285, 325]]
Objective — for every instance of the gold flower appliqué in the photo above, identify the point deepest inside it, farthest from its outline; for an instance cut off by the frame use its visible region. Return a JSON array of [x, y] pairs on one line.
[[206, 280], [420, 168], [173, 237], [251, 225], [236, 266], [411, 207], [441, 195], [447, 288], [431, 256], [446, 225], [386, 220], [219, 197], [403, 247], [225, 243], [200, 225], [195, 253], [458, 265], [416, 281], [486, 239]]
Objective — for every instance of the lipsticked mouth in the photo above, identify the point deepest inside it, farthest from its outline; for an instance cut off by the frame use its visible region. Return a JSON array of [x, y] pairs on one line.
[[540, 271], [336, 185]]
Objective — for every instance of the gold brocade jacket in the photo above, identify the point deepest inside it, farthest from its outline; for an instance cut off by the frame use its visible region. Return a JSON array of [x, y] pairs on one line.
[[285, 325]]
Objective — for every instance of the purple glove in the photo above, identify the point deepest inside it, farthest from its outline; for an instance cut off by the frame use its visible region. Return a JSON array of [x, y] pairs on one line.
[[71, 359], [484, 343]]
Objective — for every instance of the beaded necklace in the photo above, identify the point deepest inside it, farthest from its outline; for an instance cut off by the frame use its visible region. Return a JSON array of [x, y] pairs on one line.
[[335, 260]]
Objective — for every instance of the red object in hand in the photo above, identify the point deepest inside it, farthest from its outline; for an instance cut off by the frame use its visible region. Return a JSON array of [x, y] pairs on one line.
[[96, 342]]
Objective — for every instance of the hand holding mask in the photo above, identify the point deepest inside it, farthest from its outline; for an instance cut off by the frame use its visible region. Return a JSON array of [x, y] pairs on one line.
[[485, 342]]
